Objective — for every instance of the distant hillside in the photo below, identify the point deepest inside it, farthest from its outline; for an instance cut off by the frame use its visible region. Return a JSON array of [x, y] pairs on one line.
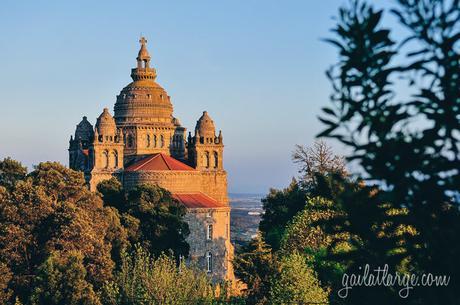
[[245, 217]]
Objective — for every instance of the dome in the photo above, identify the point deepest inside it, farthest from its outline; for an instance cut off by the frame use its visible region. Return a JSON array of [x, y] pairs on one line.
[[205, 126], [84, 130], [105, 124], [143, 100]]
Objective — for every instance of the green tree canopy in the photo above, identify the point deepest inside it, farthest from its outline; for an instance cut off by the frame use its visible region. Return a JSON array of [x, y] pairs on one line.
[[52, 210], [279, 207], [11, 171], [145, 280], [296, 283], [408, 144], [152, 217], [254, 266], [306, 229], [61, 279]]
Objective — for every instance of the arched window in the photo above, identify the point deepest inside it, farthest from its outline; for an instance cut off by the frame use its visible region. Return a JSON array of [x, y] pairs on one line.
[[209, 232], [209, 262], [147, 141], [115, 159], [105, 159], [216, 159], [206, 156], [162, 141], [155, 141]]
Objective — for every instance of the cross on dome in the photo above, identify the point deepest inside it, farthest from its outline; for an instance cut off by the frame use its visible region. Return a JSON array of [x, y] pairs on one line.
[[143, 57]]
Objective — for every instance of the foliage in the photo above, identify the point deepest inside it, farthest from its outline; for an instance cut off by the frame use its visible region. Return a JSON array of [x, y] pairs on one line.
[[306, 229], [151, 216], [408, 144], [61, 280], [144, 280], [279, 207], [366, 230], [112, 193], [318, 159], [52, 210], [296, 283], [254, 266], [308, 235], [5, 278], [11, 171]]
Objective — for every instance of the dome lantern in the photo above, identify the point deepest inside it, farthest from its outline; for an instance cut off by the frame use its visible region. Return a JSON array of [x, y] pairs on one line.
[[143, 70], [143, 57]]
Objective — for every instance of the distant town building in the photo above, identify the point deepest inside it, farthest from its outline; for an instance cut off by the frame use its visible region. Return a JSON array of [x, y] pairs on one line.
[[143, 143]]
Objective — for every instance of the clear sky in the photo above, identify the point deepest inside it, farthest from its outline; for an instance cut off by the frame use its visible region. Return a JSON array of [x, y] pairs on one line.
[[257, 67]]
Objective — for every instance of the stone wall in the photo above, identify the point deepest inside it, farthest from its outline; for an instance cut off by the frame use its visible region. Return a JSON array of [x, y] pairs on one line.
[[212, 183], [219, 245]]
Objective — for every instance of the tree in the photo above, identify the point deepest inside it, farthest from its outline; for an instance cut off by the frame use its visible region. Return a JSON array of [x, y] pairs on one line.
[[151, 216], [11, 171], [52, 210], [308, 234], [408, 144], [162, 225], [143, 279], [254, 266], [113, 194], [318, 167], [296, 283], [306, 229], [61, 279], [5, 278], [279, 207], [317, 160]]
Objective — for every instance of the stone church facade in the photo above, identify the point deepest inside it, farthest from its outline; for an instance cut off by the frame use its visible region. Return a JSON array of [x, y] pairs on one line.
[[143, 143]]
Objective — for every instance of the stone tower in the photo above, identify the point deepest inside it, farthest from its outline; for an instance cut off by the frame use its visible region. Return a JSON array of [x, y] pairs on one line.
[[144, 112], [79, 146], [205, 149], [106, 150]]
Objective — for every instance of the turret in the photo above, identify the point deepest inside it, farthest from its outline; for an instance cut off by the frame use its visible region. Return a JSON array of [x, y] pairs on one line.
[[79, 144], [206, 150]]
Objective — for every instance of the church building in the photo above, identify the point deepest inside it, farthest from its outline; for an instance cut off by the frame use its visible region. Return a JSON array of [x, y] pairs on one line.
[[143, 143]]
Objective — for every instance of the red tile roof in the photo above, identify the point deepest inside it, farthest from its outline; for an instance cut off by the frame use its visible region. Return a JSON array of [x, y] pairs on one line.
[[197, 200], [158, 162]]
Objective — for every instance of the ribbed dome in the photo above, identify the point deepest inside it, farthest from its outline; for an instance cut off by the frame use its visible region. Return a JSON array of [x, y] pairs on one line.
[[84, 130], [105, 124], [205, 126], [143, 100]]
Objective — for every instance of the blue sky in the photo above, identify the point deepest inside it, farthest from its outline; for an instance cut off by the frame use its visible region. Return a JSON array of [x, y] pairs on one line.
[[256, 66]]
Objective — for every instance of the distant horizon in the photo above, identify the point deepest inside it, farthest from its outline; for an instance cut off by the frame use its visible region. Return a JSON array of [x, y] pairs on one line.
[[246, 194]]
